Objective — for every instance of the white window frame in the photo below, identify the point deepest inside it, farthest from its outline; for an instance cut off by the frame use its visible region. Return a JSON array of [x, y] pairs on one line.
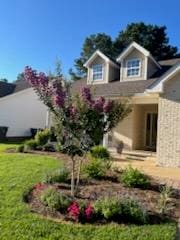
[[129, 68], [99, 79]]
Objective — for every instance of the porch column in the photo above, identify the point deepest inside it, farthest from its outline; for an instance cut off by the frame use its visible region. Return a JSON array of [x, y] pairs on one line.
[[48, 119], [105, 140]]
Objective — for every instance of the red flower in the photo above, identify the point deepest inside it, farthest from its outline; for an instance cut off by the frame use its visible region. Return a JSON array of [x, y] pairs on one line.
[[88, 211], [74, 211]]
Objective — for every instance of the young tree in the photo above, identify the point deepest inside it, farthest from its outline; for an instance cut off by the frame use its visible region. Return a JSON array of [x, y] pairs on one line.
[[81, 121]]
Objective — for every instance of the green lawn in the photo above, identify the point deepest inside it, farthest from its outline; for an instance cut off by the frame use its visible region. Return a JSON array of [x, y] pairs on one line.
[[20, 171]]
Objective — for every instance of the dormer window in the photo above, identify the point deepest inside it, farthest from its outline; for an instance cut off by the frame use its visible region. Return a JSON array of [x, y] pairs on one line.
[[133, 67], [97, 72]]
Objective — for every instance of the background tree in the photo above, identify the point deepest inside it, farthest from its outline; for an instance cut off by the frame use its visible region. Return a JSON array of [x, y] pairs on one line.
[[152, 37], [20, 77], [99, 41], [4, 80]]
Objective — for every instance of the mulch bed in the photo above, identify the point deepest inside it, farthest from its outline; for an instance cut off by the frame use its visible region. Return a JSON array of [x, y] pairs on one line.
[[91, 190]]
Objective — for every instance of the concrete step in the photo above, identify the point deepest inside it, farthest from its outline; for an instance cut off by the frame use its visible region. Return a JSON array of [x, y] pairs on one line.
[[133, 155]]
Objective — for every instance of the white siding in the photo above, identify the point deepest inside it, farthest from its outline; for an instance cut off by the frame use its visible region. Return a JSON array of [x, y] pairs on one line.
[[22, 111]]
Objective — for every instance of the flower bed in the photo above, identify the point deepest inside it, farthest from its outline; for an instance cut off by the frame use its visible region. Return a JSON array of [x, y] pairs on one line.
[[100, 202]]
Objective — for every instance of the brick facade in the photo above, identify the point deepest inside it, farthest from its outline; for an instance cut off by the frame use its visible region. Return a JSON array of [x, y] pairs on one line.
[[168, 147]]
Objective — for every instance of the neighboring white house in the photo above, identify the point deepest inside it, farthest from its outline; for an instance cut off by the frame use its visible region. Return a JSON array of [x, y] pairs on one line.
[[21, 110]]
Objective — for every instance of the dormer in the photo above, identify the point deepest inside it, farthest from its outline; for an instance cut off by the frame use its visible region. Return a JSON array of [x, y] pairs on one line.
[[136, 63], [101, 69]]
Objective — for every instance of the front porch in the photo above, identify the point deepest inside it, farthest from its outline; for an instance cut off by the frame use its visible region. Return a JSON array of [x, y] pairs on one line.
[[136, 135]]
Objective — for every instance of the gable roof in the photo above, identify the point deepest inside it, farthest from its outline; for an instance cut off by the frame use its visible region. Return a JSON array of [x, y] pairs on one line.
[[141, 49], [126, 88], [6, 88], [10, 88], [101, 55], [158, 86]]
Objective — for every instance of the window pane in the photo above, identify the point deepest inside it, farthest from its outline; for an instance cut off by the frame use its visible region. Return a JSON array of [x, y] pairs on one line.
[[97, 71]]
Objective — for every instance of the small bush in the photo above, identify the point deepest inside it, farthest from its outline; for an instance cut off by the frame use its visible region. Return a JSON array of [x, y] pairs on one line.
[[57, 176], [58, 147], [20, 148], [48, 147], [108, 208], [55, 200], [96, 168], [134, 178], [100, 152], [42, 137], [30, 144], [164, 202], [133, 212]]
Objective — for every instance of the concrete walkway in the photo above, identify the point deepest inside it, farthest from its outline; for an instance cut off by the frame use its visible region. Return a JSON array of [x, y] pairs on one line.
[[149, 167]]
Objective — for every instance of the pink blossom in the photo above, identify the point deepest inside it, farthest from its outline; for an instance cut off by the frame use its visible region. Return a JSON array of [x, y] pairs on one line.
[[98, 104], [74, 210], [107, 106], [88, 212], [86, 94]]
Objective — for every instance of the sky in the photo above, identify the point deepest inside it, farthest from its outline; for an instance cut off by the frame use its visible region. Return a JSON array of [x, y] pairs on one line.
[[37, 32]]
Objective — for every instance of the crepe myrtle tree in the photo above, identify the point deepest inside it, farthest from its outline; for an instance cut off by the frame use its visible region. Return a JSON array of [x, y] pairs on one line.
[[80, 121]]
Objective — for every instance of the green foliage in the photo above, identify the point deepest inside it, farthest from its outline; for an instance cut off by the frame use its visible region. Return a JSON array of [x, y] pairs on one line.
[[108, 208], [42, 137], [17, 220], [20, 148], [58, 147], [48, 147], [96, 168], [133, 212], [100, 152], [124, 210], [30, 144], [164, 203], [152, 37], [54, 200], [57, 176], [134, 178]]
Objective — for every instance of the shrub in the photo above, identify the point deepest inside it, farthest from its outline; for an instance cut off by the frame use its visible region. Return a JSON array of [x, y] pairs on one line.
[[42, 137], [100, 152], [164, 202], [55, 200], [48, 147], [134, 178], [96, 168], [20, 148], [133, 212], [58, 147], [30, 144], [57, 176], [108, 208]]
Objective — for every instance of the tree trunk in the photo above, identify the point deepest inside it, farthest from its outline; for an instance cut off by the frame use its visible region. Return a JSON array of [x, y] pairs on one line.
[[72, 177], [78, 173]]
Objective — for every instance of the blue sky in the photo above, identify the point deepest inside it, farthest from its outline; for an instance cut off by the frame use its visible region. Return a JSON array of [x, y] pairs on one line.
[[36, 32]]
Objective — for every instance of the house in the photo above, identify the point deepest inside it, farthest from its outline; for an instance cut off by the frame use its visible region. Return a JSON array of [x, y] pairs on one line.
[[151, 88], [153, 91], [20, 109]]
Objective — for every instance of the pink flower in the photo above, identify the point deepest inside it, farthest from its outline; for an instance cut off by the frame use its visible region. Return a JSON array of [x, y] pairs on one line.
[[88, 212], [86, 95], [107, 106], [98, 104], [74, 211]]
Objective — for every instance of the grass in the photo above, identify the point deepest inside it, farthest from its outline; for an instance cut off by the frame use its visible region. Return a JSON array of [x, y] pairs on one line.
[[19, 172], [5, 146]]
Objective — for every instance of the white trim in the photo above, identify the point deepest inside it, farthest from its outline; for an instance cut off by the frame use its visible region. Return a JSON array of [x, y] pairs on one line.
[[103, 56], [139, 48], [158, 86], [140, 67]]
